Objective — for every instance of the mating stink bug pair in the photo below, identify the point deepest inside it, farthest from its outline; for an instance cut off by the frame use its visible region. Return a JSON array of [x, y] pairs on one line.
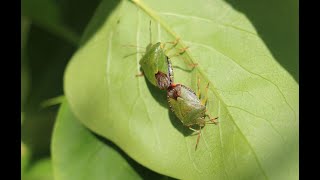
[[184, 102]]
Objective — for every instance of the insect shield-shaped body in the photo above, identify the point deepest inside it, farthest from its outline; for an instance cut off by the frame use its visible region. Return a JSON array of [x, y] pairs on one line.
[[156, 66], [187, 106]]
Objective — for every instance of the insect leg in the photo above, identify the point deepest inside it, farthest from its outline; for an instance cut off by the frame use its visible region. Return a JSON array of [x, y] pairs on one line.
[[194, 130], [180, 52], [192, 65], [174, 43], [198, 138], [198, 89], [199, 134], [205, 99], [212, 120]]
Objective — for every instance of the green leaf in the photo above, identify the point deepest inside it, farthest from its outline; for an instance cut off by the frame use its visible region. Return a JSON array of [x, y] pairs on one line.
[[255, 98], [278, 26], [25, 157], [42, 170], [79, 154], [47, 14], [45, 58], [25, 75], [45, 52]]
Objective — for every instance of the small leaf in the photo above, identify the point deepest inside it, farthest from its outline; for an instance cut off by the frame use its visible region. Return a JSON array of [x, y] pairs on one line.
[[79, 154], [40, 170], [25, 158], [255, 98]]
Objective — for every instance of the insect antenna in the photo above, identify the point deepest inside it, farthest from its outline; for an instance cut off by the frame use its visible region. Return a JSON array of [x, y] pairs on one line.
[[134, 46], [131, 54], [150, 32]]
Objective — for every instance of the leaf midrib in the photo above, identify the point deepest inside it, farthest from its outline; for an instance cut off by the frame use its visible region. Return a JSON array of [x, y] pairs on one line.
[[168, 29]]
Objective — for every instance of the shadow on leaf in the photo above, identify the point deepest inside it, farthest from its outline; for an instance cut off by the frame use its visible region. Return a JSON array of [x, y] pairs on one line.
[[277, 24], [178, 124], [141, 170], [159, 95], [99, 19]]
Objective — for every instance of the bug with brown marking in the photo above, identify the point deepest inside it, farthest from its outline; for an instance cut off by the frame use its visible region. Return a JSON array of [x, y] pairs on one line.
[[188, 107]]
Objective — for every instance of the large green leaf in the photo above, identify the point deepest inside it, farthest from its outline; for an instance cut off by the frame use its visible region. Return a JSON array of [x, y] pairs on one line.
[[255, 98], [79, 154]]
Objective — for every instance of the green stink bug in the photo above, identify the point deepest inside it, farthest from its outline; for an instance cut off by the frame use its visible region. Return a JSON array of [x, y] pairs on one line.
[[156, 65], [188, 107]]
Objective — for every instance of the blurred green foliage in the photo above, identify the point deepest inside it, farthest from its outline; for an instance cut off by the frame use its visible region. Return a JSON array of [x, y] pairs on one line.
[[50, 31]]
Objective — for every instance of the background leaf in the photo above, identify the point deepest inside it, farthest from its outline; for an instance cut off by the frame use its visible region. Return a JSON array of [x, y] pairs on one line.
[[50, 34], [48, 15], [25, 79], [42, 170], [25, 158], [255, 98], [80, 154], [277, 24]]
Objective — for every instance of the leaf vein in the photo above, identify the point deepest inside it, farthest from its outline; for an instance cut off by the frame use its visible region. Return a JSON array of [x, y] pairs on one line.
[[138, 84], [259, 118], [169, 30], [193, 163], [207, 20], [210, 153], [220, 137], [264, 78]]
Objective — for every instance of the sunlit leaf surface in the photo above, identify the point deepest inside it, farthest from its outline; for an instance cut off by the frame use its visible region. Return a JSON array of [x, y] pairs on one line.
[[255, 98]]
